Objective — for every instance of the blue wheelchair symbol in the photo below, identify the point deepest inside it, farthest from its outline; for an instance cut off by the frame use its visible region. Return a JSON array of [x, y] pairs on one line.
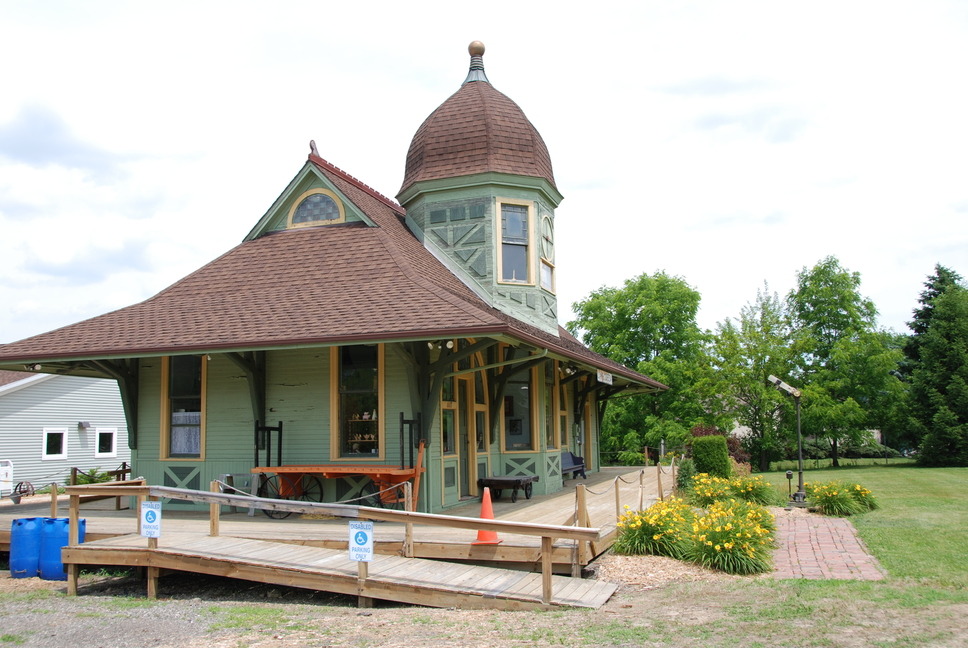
[[150, 517], [360, 538]]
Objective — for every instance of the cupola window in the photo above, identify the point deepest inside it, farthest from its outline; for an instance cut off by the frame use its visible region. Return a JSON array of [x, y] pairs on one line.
[[515, 243], [316, 207]]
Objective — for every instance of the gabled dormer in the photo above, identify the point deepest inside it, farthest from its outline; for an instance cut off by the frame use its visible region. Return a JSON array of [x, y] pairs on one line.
[[480, 194], [310, 200]]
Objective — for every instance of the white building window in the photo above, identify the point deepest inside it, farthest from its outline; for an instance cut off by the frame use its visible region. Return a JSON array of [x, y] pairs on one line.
[[55, 444], [107, 442]]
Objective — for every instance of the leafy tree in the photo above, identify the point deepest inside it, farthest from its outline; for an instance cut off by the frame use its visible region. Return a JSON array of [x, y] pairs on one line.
[[746, 353], [650, 324], [847, 369], [940, 382]]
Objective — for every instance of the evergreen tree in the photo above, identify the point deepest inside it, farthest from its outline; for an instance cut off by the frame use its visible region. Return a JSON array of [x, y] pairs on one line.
[[935, 285], [940, 383]]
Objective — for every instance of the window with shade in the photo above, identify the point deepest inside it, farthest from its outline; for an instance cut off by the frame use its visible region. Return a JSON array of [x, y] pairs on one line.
[[184, 407]]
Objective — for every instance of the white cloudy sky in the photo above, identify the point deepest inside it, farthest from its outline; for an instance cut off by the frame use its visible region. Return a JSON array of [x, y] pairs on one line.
[[727, 143]]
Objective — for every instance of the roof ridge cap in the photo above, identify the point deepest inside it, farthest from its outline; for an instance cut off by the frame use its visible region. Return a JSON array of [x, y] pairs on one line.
[[332, 168]]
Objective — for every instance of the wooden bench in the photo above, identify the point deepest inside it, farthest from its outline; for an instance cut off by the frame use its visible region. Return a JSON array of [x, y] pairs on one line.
[[499, 484], [572, 463]]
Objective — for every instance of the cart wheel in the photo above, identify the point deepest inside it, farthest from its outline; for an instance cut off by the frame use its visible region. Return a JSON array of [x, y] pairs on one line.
[[395, 499], [312, 489], [497, 493], [527, 490], [270, 488], [370, 496]]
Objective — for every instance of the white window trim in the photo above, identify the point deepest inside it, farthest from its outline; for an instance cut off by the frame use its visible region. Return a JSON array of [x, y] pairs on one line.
[[114, 441], [43, 448]]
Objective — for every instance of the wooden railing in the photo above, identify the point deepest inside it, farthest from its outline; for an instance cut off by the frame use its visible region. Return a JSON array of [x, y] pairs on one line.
[[216, 499], [120, 474], [585, 550]]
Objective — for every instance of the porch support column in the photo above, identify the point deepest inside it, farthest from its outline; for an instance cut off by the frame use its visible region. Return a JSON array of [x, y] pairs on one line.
[[125, 371], [253, 363]]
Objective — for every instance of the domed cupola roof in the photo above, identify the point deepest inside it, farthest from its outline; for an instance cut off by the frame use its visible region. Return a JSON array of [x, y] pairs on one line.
[[477, 130]]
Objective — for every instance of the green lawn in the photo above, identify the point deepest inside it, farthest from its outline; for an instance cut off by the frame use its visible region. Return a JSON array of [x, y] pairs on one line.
[[921, 530]]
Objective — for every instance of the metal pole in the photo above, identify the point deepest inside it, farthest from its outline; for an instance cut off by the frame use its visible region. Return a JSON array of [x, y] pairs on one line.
[[801, 495]]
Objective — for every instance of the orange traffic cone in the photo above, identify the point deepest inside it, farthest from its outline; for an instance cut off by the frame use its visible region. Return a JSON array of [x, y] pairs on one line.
[[487, 513]]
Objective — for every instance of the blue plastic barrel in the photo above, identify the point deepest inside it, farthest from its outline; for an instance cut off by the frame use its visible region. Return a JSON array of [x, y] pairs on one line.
[[25, 547], [53, 538]]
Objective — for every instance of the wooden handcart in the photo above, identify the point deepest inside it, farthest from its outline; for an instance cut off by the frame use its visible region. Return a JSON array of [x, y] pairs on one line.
[[304, 482], [499, 484]]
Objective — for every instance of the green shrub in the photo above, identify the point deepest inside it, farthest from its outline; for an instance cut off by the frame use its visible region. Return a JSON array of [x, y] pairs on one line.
[[864, 497], [733, 536], [756, 490], [93, 476], [708, 489], [660, 530], [711, 455], [684, 473], [833, 498], [631, 458]]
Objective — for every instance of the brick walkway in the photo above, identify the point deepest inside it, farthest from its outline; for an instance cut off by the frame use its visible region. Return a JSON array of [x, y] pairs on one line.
[[818, 547]]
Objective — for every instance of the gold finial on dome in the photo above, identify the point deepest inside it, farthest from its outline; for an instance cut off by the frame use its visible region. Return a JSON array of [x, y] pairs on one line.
[[476, 73]]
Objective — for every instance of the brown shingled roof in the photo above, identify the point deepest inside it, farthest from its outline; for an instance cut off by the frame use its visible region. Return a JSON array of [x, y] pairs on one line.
[[477, 130], [310, 286]]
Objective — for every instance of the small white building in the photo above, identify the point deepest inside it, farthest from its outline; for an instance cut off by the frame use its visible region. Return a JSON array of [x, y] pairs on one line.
[[51, 423]]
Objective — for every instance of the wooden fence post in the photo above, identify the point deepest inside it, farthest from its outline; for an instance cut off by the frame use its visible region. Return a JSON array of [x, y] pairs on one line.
[[213, 510], [408, 527], [53, 500], [618, 500], [546, 569]]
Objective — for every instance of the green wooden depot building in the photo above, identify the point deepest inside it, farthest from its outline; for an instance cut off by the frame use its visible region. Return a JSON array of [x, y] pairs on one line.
[[363, 325]]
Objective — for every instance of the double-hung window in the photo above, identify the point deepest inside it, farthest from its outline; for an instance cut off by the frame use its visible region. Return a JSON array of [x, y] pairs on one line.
[[183, 422], [515, 243]]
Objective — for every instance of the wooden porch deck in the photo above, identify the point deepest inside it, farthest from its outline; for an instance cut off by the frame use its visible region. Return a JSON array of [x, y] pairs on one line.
[[407, 580], [430, 542]]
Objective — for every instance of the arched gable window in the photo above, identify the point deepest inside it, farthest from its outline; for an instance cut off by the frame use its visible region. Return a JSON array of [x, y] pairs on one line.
[[316, 207]]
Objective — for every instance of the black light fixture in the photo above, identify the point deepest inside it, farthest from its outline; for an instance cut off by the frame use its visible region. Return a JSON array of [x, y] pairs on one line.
[[800, 495]]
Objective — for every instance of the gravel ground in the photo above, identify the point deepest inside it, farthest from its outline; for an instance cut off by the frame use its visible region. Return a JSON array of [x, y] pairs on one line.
[[112, 611]]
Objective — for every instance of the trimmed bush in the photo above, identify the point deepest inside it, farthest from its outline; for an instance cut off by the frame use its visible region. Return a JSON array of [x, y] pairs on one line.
[[660, 530], [711, 456]]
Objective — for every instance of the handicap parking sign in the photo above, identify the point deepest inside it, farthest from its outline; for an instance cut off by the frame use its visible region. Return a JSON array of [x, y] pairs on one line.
[[361, 541], [151, 519]]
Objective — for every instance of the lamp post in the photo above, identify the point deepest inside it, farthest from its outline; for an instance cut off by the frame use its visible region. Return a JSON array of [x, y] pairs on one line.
[[801, 494]]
